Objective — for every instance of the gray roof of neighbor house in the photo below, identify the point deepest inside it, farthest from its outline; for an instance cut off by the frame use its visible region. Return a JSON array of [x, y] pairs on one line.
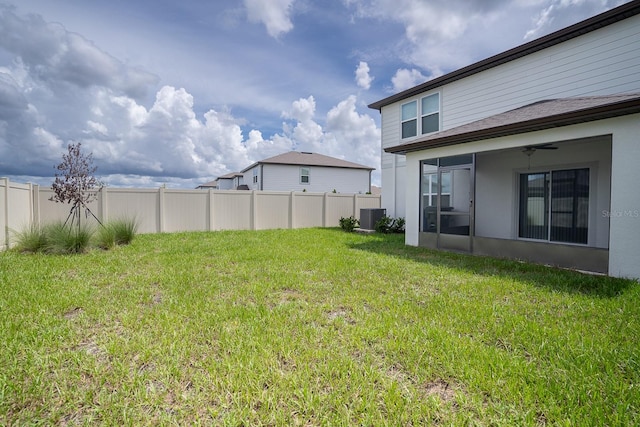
[[213, 183], [533, 117], [303, 158], [230, 175], [602, 20]]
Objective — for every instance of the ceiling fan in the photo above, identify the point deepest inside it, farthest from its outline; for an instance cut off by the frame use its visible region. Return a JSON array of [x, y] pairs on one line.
[[530, 149]]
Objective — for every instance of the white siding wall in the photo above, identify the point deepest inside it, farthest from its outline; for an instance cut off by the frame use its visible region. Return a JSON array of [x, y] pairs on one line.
[[225, 184], [602, 62], [321, 179], [624, 249]]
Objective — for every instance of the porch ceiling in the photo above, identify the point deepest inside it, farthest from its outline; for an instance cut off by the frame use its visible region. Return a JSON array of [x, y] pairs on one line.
[[533, 117]]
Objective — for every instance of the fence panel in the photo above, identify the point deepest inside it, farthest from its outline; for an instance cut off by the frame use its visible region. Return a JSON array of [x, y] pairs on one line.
[[232, 210], [274, 210], [308, 210], [16, 210], [339, 206], [185, 210], [367, 202], [4, 204], [139, 204]]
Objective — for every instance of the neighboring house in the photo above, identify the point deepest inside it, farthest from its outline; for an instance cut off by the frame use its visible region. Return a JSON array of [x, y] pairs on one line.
[[530, 154], [301, 171], [211, 185], [230, 181]]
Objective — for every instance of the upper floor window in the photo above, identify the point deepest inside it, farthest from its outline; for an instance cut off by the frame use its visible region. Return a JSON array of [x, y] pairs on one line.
[[409, 119], [429, 116], [430, 113], [304, 176], [255, 175]]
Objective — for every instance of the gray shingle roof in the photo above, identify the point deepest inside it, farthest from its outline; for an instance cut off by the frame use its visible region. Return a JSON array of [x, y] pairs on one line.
[[533, 117], [230, 175], [308, 159]]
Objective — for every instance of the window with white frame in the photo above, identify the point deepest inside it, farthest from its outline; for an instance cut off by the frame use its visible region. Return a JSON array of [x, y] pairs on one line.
[[430, 113], [554, 206], [409, 119], [304, 176], [255, 175], [428, 109]]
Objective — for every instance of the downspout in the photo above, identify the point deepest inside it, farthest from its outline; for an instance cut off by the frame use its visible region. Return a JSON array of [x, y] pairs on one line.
[[261, 177]]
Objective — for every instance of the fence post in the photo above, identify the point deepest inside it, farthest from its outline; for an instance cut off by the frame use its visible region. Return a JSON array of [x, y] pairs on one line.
[[161, 209], [104, 208], [355, 205], [253, 210], [292, 210], [325, 208], [5, 226], [35, 201], [211, 208]]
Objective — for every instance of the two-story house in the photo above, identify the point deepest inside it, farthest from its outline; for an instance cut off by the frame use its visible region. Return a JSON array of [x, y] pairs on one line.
[[530, 154], [313, 172]]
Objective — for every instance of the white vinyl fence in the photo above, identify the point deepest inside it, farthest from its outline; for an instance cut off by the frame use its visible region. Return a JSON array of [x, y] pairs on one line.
[[170, 210]]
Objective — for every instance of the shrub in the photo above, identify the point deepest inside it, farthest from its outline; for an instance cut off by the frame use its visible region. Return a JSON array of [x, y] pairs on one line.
[[398, 225], [349, 224], [383, 225], [390, 225], [32, 239]]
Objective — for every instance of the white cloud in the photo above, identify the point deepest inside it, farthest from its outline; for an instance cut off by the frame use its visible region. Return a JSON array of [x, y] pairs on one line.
[[543, 20], [363, 79], [404, 79], [429, 27], [274, 14], [353, 133], [169, 143], [60, 58]]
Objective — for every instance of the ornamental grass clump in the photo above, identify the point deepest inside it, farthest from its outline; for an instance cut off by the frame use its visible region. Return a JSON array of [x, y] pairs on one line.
[[105, 237], [65, 239], [113, 233], [124, 230], [31, 239]]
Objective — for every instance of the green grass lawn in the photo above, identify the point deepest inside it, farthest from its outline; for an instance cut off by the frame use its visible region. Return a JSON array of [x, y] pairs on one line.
[[311, 327]]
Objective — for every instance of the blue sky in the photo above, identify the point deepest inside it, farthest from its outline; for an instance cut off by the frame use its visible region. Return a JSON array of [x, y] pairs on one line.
[[180, 92]]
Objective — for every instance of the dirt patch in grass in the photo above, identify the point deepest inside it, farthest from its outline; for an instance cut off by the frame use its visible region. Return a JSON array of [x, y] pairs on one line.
[[73, 313], [441, 389], [341, 313]]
